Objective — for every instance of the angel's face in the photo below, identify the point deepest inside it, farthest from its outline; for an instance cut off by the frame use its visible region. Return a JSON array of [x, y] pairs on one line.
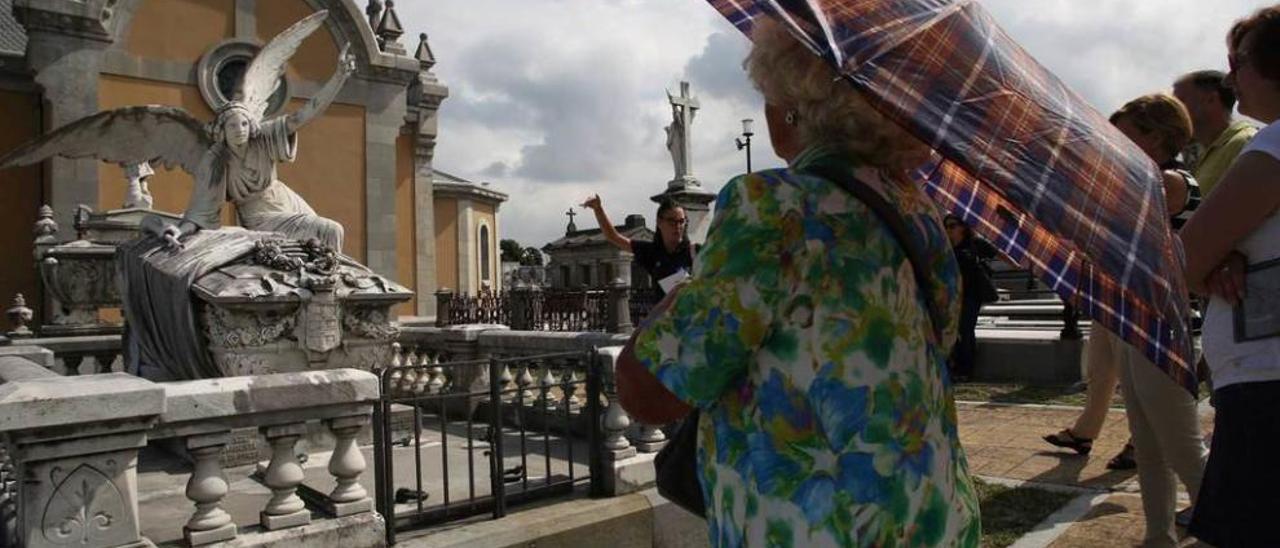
[[237, 128]]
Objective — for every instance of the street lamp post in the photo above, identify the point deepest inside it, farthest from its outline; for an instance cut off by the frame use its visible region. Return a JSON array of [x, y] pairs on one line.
[[746, 134]]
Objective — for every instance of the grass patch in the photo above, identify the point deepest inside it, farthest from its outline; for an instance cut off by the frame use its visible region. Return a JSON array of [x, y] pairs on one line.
[[1010, 512], [1022, 393]]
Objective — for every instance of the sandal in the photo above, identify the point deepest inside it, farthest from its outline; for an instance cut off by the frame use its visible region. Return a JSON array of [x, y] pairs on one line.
[[1066, 439], [1123, 460]]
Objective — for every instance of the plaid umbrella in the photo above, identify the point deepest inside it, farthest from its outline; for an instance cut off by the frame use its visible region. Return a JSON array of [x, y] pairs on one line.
[[1024, 159]]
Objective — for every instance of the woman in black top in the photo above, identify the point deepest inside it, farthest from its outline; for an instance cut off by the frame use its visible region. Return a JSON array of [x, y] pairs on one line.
[[670, 252], [972, 253]]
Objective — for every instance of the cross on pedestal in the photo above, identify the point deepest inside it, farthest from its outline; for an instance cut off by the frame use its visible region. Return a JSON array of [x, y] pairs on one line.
[[572, 227]]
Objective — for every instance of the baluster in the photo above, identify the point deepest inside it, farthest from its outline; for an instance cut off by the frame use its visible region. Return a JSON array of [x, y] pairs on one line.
[[347, 463], [396, 374], [547, 382], [209, 523], [615, 424], [650, 439], [284, 473], [506, 379], [411, 373], [524, 381], [422, 376], [569, 386], [72, 363], [437, 382], [105, 360]]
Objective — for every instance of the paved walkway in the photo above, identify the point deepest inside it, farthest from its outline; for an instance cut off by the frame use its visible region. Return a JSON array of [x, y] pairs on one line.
[[1003, 442]]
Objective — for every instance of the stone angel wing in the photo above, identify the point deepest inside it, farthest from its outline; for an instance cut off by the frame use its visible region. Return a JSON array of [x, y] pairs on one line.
[[150, 133], [263, 75]]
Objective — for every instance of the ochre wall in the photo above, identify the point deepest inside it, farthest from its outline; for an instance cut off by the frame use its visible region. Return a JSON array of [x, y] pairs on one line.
[[446, 213], [179, 30], [484, 214], [23, 196], [317, 58], [406, 223], [329, 171]]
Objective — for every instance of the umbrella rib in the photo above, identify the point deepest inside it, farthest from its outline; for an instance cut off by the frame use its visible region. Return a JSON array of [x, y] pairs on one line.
[[797, 30], [836, 54]]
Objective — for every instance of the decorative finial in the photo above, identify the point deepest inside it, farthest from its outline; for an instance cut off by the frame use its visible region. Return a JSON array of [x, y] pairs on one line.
[[46, 229], [424, 55], [390, 30], [19, 315]]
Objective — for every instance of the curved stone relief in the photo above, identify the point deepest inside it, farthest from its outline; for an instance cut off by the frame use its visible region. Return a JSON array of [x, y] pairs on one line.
[[370, 323], [83, 507], [225, 328]]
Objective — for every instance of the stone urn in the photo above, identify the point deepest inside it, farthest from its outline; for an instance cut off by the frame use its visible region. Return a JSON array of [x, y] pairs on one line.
[[80, 275]]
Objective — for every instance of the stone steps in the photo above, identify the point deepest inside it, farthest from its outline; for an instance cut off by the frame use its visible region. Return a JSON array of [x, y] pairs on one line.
[[637, 520]]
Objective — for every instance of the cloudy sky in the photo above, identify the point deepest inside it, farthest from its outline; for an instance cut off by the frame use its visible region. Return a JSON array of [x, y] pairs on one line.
[[552, 100]]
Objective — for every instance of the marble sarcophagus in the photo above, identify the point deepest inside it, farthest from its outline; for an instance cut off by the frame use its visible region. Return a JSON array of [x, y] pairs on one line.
[[295, 306]]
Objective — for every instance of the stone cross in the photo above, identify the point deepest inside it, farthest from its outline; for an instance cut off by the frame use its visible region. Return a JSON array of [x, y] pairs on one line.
[[572, 227], [683, 109]]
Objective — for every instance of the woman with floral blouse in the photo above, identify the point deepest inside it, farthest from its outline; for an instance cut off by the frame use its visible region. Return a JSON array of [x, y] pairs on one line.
[[827, 415]]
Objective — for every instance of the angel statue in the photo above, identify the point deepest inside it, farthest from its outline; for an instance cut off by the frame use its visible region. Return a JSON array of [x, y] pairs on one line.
[[234, 158]]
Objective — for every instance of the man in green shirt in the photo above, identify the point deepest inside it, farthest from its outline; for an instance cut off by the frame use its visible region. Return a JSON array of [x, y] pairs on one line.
[[1210, 100]]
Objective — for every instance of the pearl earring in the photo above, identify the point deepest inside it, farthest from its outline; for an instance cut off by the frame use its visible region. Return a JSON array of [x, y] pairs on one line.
[[791, 117]]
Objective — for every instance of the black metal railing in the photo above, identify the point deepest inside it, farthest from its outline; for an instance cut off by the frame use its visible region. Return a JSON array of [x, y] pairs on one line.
[[548, 309], [535, 436]]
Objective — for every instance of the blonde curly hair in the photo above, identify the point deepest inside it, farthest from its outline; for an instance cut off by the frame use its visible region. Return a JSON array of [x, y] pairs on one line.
[[1161, 115], [828, 110]]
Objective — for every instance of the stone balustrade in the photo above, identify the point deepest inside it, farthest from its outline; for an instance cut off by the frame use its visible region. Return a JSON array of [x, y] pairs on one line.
[[629, 446], [68, 473], [70, 353]]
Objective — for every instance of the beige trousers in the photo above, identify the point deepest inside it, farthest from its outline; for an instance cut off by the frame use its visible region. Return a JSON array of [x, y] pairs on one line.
[[1165, 428], [1103, 374]]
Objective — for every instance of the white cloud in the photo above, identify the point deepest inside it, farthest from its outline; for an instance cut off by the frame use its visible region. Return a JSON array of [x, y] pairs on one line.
[[551, 100]]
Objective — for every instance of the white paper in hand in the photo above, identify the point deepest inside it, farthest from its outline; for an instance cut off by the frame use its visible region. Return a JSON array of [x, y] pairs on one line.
[[670, 282]]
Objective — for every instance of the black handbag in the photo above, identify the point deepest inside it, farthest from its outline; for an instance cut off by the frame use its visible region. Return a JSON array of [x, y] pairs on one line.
[[676, 465]]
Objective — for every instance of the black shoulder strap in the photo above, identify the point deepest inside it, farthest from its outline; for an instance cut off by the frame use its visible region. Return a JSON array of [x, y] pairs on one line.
[[898, 226]]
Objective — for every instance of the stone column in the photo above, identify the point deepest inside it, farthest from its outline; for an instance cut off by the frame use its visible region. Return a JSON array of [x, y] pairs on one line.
[[74, 443], [468, 278], [619, 320], [526, 308], [444, 306], [383, 119], [425, 95], [65, 42]]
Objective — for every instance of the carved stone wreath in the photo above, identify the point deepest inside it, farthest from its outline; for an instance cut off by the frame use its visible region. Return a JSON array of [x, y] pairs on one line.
[[226, 329], [369, 323], [311, 256]]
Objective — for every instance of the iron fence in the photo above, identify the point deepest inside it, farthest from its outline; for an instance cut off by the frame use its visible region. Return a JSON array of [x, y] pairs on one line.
[[535, 436]]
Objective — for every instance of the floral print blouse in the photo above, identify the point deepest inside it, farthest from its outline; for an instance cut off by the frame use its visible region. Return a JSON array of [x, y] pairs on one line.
[[828, 419]]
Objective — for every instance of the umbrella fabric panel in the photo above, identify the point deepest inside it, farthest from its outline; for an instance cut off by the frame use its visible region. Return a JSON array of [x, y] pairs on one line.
[[1040, 172]]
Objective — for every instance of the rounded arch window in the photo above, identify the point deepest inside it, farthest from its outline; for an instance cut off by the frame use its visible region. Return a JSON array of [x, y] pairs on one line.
[[484, 253], [221, 69]]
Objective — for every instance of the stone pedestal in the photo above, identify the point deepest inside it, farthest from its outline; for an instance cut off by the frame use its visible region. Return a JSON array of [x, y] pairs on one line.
[[696, 202], [75, 441]]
